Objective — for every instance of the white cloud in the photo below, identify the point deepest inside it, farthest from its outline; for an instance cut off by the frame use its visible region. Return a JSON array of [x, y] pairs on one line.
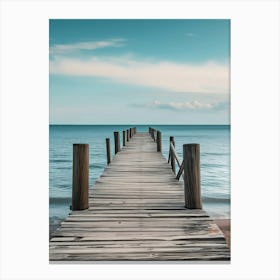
[[93, 45], [192, 105], [181, 106], [209, 77]]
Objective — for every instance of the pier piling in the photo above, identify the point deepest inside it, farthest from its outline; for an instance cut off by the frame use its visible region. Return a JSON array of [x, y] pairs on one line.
[[108, 150], [80, 177], [159, 146], [117, 142], [172, 159], [191, 153], [124, 137]]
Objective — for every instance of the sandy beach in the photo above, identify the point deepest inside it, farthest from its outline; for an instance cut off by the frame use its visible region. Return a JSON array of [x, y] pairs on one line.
[[224, 225]]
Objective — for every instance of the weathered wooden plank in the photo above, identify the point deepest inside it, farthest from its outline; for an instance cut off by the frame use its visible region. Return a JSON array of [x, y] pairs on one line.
[[143, 235], [149, 225], [86, 250], [137, 213], [140, 257], [125, 221], [141, 185], [161, 211], [137, 243], [111, 191]]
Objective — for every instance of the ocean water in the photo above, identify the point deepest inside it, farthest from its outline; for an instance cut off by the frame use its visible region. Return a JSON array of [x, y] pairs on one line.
[[214, 143]]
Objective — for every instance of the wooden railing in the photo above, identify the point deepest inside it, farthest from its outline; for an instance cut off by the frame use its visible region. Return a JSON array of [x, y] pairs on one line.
[[127, 135], [156, 136], [190, 166], [173, 159]]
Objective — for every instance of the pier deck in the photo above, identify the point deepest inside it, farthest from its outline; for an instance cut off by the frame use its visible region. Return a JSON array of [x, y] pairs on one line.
[[136, 212]]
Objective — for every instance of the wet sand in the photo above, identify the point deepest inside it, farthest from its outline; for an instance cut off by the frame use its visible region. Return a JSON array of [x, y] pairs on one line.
[[224, 225]]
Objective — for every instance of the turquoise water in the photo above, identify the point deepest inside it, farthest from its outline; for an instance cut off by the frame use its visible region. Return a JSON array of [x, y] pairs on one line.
[[214, 143]]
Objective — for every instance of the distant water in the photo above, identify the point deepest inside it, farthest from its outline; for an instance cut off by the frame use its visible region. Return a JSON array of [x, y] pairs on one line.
[[214, 143]]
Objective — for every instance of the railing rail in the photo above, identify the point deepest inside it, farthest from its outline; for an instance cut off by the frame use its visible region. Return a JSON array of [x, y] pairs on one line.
[[153, 133], [174, 154], [180, 172], [173, 157], [127, 136]]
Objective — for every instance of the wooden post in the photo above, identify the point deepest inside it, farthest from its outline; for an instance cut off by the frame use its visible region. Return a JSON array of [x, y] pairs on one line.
[[123, 138], [172, 159], [158, 141], [80, 177], [191, 155], [127, 135], [108, 149], [117, 142], [130, 133]]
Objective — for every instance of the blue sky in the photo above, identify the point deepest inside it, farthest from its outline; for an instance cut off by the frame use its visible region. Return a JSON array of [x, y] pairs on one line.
[[139, 71]]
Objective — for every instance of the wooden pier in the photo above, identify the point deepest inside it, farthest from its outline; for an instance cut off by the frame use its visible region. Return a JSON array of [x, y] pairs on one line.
[[137, 211]]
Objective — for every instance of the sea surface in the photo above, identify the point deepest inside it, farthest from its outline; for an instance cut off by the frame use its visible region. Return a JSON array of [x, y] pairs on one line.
[[214, 143]]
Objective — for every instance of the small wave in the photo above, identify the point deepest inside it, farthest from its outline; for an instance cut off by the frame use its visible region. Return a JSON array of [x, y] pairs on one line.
[[55, 220], [61, 186], [213, 165], [63, 167], [60, 200], [215, 199], [60, 160], [214, 154], [96, 165]]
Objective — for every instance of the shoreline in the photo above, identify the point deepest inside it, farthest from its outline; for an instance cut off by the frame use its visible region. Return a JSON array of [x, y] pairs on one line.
[[53, 228], [224, 225]]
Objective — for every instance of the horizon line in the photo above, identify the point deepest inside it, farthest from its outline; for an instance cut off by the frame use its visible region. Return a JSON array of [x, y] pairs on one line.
[[130, 124]]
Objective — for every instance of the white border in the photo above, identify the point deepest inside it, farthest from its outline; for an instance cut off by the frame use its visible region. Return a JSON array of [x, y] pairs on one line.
[[255, 138]]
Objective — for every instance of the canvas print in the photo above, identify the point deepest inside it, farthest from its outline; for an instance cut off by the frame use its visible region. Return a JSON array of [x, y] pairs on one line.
[[139, 140]]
